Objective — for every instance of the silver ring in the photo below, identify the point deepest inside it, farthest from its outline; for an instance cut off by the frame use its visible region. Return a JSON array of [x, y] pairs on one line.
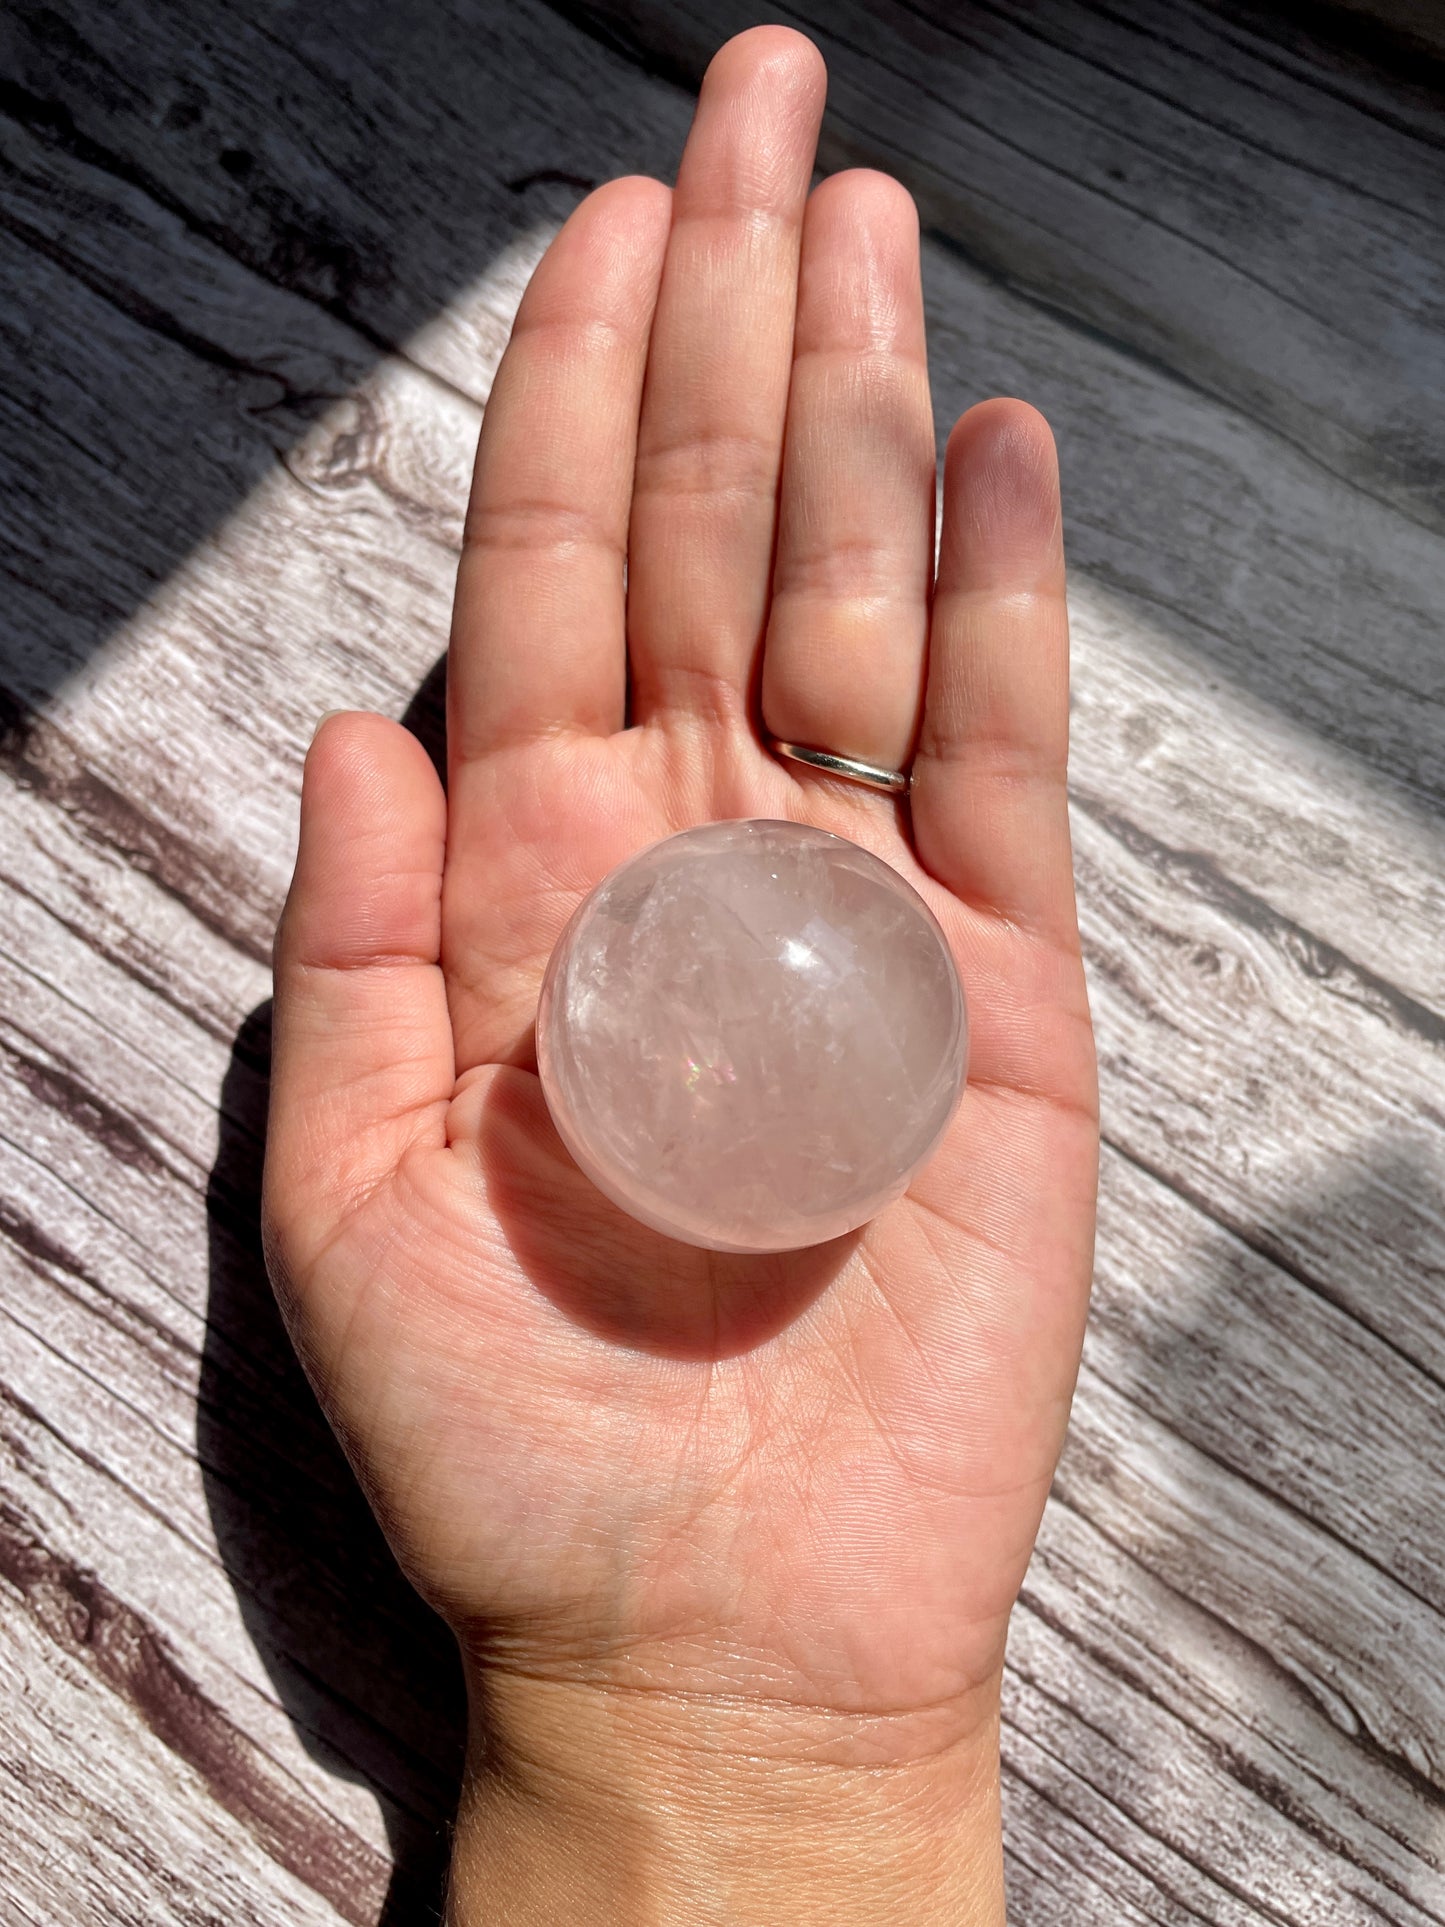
[[893, 782]]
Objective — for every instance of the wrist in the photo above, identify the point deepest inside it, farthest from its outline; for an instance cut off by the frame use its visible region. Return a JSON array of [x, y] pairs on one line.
[[638, 1809]]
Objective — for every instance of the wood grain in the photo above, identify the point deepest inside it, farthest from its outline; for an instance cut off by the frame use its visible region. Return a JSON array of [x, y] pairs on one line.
[[1249, 207], [258, 272]]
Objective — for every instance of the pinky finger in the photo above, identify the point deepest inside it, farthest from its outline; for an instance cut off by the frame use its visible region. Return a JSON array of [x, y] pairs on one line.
[[990, 802]]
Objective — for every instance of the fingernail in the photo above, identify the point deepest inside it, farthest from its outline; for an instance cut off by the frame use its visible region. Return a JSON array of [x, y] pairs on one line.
[[323, 719]]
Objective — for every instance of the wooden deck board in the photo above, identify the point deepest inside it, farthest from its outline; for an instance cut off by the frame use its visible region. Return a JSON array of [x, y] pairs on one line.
[[255, 281]]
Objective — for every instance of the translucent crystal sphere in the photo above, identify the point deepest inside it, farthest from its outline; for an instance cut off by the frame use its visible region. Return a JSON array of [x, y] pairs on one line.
[[751, 1035]]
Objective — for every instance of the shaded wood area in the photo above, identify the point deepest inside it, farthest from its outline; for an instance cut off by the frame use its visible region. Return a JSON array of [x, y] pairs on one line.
[[256, 269]]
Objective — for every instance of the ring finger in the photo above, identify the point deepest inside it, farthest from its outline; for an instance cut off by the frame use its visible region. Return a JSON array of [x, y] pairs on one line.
[[848, 628]]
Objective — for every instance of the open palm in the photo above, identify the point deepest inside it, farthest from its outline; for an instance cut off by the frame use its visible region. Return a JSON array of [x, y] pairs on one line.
[[805, 1484]]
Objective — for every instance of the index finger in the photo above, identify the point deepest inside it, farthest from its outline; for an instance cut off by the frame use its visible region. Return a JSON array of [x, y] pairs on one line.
[[538, 640]]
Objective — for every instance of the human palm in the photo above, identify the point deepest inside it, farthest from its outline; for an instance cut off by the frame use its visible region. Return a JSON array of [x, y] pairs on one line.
[[804, 1484]]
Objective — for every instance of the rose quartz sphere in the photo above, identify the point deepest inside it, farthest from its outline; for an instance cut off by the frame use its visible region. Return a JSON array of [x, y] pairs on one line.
[[751, 1035]]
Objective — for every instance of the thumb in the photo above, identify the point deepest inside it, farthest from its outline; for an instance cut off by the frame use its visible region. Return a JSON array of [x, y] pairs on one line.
[[362, 1064]]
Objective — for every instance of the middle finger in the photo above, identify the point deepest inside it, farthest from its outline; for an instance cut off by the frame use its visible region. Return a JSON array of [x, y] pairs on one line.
[[710, 437]]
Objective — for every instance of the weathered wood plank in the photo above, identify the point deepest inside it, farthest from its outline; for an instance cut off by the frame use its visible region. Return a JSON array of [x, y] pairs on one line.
[[96, 1064], [1257, 601], [1256, 217], [1397, 870], [1219, 583], [294, 207], [312, 1746], [1403, 37], [1224, 1697], [1058, 1872], [146, 1474], [106, 1808], [1188, 1582], [1253, 1071], [113, 1228], [1172, 175]]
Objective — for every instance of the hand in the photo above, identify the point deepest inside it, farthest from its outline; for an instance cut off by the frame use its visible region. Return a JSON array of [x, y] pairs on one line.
[[722, 1537]]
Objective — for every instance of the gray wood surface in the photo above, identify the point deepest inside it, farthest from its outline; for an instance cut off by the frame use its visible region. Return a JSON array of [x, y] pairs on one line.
[[256, 268]]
